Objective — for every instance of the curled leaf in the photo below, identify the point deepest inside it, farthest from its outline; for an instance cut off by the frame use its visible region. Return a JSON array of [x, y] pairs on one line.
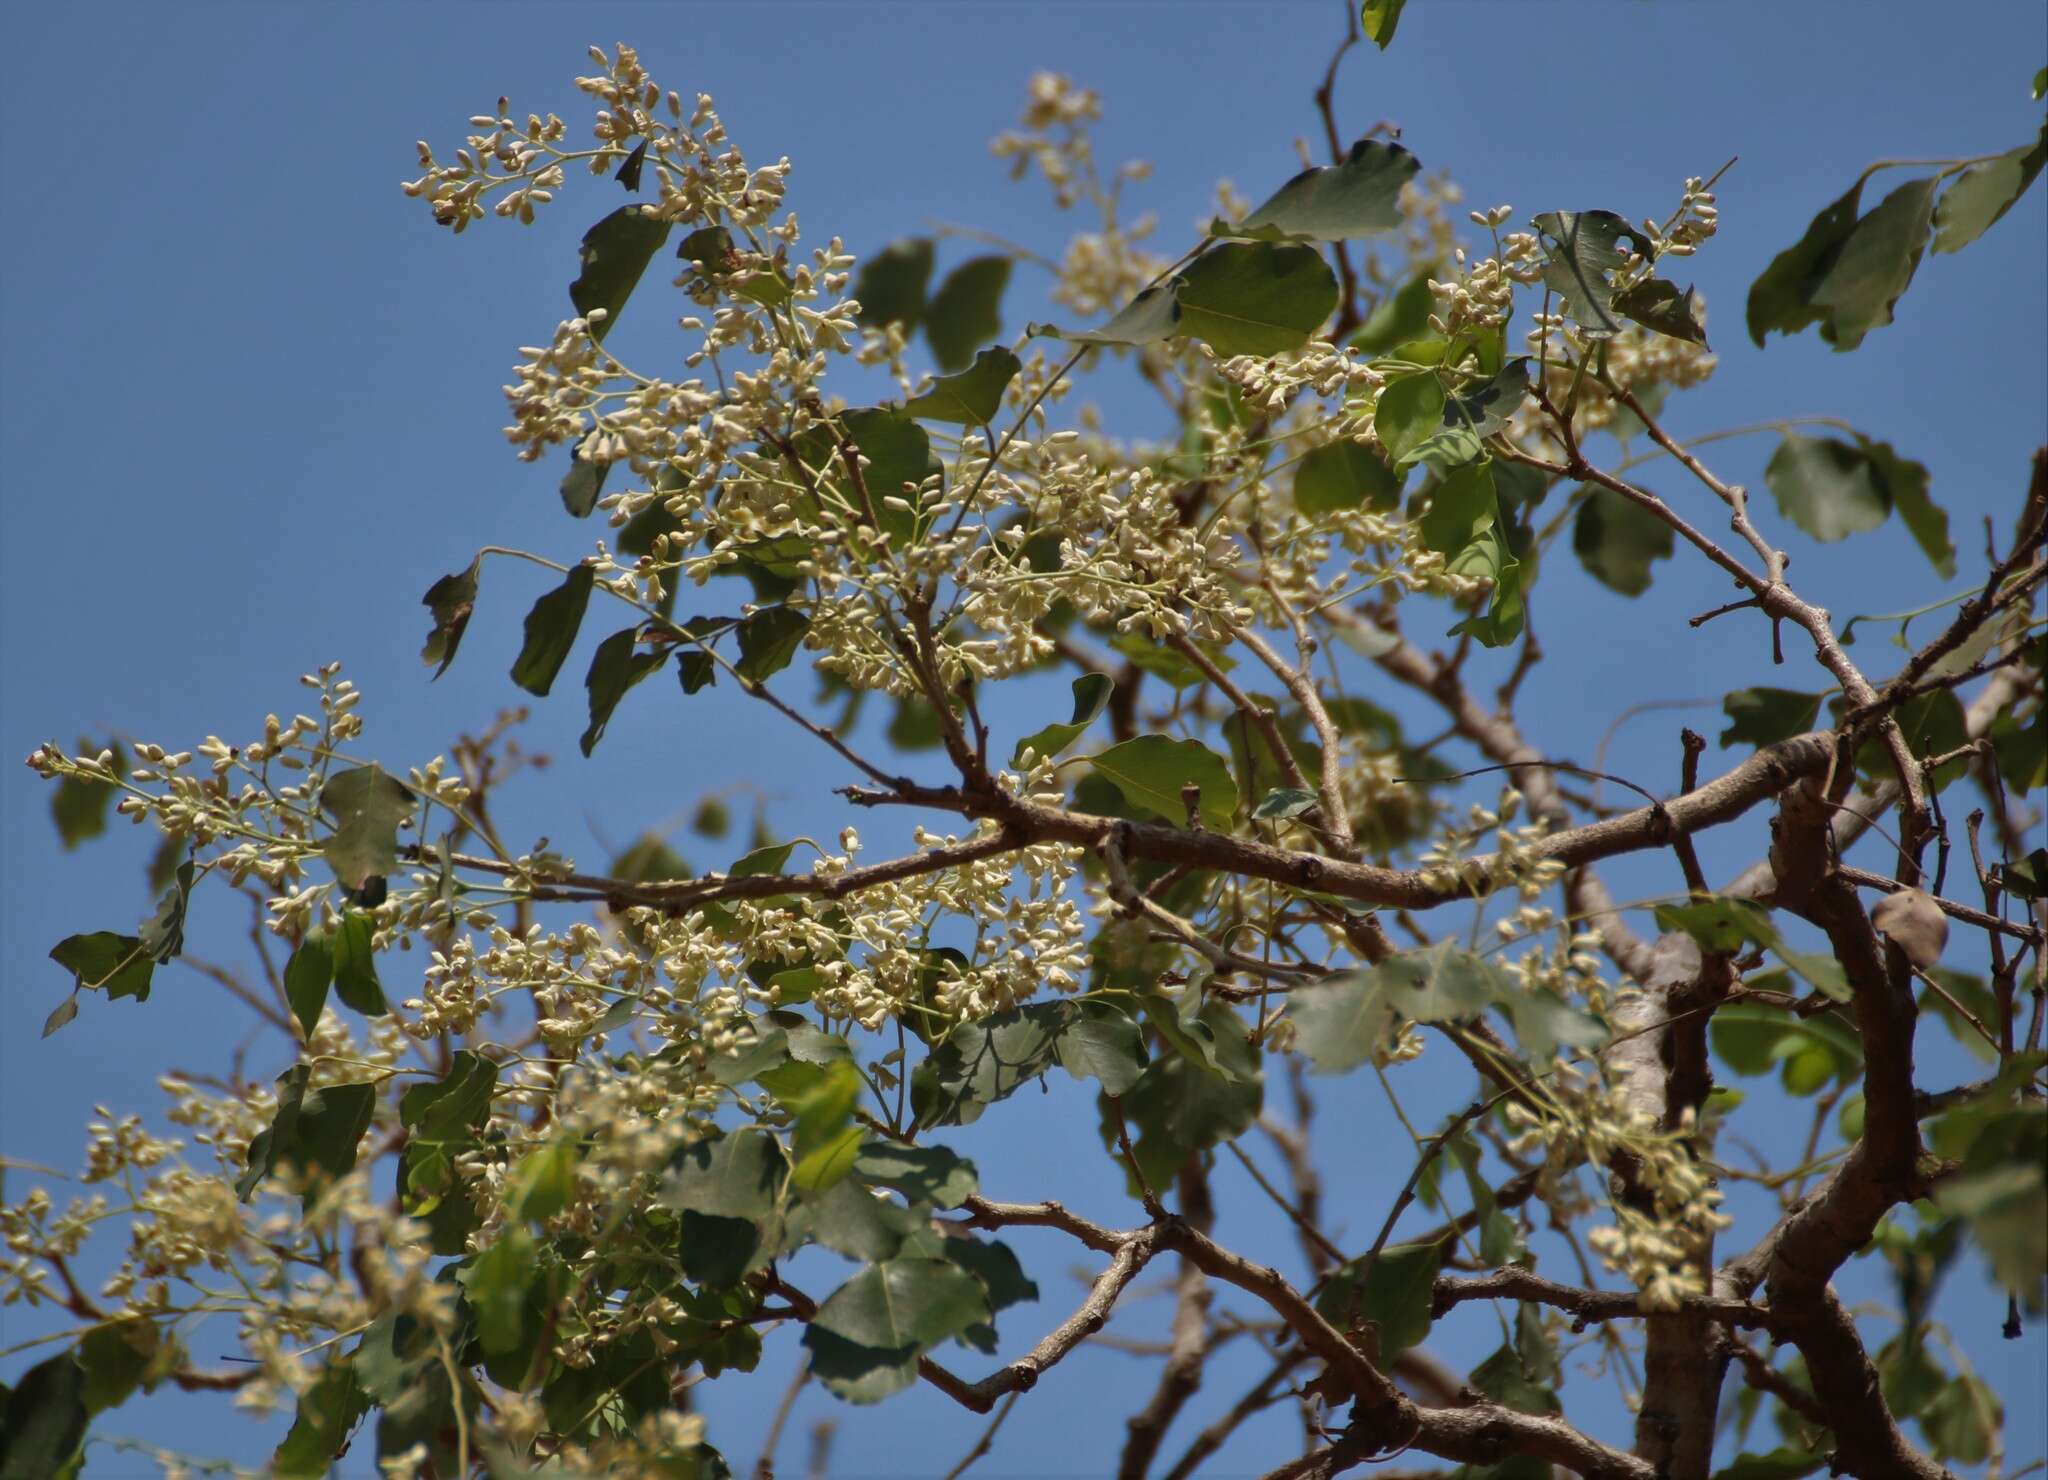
[[1912, 921]]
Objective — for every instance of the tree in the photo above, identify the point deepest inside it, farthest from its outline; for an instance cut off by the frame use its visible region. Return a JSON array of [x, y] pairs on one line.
[[521, 1218]]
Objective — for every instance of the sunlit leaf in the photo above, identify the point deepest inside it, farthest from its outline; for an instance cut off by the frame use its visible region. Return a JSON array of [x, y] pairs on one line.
[[1328, 203], [1255, 298], [971, 397], [1153, 772]]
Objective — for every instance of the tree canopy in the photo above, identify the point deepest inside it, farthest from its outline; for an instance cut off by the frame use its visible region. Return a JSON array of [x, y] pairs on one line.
[[535, 1150]]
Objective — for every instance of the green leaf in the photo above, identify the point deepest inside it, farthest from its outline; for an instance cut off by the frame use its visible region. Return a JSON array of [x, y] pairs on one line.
[[355, 965], [1983, 193], [1463, 506], [1329, 203], [1152, 771], [1875, 265], [1749, 1039], [921, 1173], [163, 934], [1905, 483], [1379, 18], [1152, 316], [1255, 298], [1396, 1294], [79, 804], [45, 1420], [1408, 411], [551, 631], [1341, 1021], [1100, 1043], [986, 1060], [614, 668], [1720, 923], [368, 808], [117, 964], [966, 311], [442, 1118], [768, 640], [1782, 298], [1826, 487], [1963, 1422], [1616, 539], [117, 1358], [1543, 1022], [544, 1182], [629, 172], [1779, 1464], [615, 252], [307, 975], [2028, 878], [584, 482], [718, 1252], [1765, 716], [848, 1219], [498, 1283], [1344, 475], [904, 1302], [1398, 317], [328, 1412], [1091, 694], [1582, 252], [735, 1174], [1284, 802], [856, 1373], [1658, 305], [891, 284], [452, 600], [316, 1131], [1168, 663], [971, 397]]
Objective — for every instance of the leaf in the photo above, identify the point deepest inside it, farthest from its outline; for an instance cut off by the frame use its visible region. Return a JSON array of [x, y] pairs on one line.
[[79, 804], [1581, 253], [452, 600], [1408, 411], [1616, 539], [307, 975], [60, 1015], [614, 668], [614, 253], [1750, 1039], [105, 961], [368, 808], [1396, 1294], [355, 965], [1100, 1043], [1905, 483], [1398, 317], [1284, 802], [734, 1174], [1964, 1420], [551, 631], [903, 1302], [848, 1219], [163, 934], [1341, 1021], [2028, 878], [1463, 506], [971, 397], [768, 640], [1378, 19], [629, 172], [1983, 193], [45, 1420], [1329, 203], [1782, 298], [1658, 305], [986, 1060], [316, 1131], [117, 1358], [584, 482], [1779, 1464], [856, 1373], [890, 285], [921, 1173], [1152, 316], [1091, 694], [1255, 298], [1719, 923], [1875, 265], [1765, 716], [965, 312], [442, 1117], [1152, 771], [328, 1411], [498, 1283], [1912, 921], [1344, 475], [1826, 487], [1169, 663], [1543, 1022]]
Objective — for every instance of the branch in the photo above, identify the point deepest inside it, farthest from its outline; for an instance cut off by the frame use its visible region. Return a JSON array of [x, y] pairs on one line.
[[1584, 1306]]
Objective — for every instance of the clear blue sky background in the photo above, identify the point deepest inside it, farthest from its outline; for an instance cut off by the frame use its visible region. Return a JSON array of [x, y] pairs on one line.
[[251, 411]]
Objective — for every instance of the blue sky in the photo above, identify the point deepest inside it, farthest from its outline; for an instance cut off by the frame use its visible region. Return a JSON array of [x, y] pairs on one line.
[[249, 410]]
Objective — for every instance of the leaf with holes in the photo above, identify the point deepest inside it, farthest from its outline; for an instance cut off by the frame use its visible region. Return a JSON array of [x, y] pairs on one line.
[[1582, 252], [452, 600]]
